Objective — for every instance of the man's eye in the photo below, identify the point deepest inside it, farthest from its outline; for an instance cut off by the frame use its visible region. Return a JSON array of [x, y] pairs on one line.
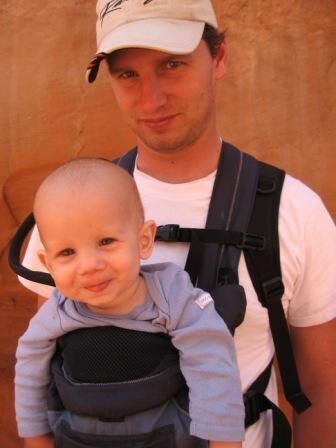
[[66, 252], [106, 241], [174, 64], [128, 74]]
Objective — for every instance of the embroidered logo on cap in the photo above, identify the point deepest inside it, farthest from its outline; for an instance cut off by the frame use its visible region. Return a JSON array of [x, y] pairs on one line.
[[204, 300], [114, 5]]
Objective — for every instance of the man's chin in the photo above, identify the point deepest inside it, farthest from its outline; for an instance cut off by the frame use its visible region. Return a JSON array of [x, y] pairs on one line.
[[166, 145]]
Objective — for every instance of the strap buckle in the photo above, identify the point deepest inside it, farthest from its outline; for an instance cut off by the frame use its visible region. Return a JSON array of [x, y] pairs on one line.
[[252, 241], [253, 407], [168, 232]]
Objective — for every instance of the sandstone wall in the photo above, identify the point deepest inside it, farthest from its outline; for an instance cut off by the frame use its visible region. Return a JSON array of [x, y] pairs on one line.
[[277, 102]]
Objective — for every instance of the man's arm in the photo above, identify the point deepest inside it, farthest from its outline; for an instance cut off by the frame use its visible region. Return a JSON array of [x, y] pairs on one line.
[[315, 354], [40, 301]]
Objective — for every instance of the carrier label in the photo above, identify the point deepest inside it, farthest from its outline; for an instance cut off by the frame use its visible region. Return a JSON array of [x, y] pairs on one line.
[[204, 300]]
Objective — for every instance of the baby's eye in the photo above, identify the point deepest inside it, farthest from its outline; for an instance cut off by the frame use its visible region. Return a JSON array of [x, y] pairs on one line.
[[66, 252], [106, 241]]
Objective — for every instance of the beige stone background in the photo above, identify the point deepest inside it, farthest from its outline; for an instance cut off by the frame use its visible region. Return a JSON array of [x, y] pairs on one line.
[[277, 102]]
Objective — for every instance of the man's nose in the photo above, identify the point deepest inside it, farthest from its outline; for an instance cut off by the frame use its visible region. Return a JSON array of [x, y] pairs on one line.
[[153, 95]]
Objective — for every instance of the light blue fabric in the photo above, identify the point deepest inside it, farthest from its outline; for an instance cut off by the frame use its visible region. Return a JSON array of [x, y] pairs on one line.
[[173, 306]]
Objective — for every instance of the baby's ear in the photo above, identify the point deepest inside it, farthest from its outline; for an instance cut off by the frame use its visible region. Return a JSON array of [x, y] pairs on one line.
[[146, 239], [43, 258]]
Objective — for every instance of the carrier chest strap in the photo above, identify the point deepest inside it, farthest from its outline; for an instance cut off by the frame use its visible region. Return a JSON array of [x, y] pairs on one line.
[[175, 233]]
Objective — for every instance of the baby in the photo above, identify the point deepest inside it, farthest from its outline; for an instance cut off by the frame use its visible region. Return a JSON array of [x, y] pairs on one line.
[[91, 223]]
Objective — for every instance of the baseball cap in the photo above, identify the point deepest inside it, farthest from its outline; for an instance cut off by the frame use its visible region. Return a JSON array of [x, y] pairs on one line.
[[172, 26]]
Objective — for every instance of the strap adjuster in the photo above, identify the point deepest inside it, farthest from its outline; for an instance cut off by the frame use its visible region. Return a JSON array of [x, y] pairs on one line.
[[252, 241], [168, 232], [253, 407], [273, 289]]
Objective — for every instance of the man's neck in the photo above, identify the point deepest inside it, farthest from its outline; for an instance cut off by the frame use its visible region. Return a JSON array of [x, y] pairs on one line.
[[184, 165]]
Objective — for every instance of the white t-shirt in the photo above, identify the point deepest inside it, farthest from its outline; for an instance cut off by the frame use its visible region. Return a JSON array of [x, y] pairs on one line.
[[307, 245]]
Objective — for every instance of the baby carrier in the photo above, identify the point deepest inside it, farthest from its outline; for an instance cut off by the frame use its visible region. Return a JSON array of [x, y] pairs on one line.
[[141, 401]]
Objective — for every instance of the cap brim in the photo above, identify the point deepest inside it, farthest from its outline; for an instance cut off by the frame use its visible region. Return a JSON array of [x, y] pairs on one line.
[[169, 36]]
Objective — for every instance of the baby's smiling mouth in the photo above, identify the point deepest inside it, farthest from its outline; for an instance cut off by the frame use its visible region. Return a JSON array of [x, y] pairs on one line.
[[98, 287]]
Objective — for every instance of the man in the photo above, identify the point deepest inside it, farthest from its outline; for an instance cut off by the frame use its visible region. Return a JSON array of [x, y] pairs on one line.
[[164, 60]]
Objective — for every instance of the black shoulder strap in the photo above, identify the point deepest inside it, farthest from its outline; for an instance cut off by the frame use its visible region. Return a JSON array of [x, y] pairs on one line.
[[246, 193], [265, 272], [127, 161], [230, 209]]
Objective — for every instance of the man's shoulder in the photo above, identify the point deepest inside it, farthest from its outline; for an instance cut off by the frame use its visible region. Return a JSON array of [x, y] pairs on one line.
[[299, 197]]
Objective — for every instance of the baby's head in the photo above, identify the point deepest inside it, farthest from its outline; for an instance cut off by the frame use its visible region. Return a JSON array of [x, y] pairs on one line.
[[91, 223]]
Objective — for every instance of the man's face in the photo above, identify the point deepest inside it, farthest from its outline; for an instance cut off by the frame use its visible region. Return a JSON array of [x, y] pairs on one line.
[[167, 100]]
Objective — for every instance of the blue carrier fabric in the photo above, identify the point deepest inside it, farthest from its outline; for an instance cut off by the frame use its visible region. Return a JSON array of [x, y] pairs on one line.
[[120, 388], [114, 387]]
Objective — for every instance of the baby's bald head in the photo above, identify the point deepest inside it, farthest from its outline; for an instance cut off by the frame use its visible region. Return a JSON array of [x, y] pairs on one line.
[[91, 180], [91, 222]]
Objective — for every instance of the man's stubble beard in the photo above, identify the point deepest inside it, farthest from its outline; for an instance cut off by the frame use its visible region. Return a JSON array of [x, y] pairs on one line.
[[185, 138], [173, 145]]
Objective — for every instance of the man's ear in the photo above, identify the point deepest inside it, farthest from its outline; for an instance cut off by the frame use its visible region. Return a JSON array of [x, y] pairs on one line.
[[43, 259], [146, 239], [221, 61]]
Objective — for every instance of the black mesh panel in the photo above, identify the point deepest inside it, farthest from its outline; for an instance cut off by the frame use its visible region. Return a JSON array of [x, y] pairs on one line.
[[112, 354]]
